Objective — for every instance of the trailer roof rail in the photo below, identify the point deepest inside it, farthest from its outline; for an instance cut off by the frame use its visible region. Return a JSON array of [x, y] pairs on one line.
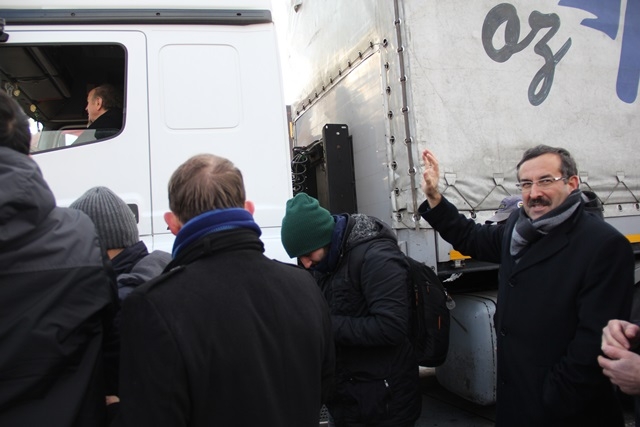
[[135, 16]]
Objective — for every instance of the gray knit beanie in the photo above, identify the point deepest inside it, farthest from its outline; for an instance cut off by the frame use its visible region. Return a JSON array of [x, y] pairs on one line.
[[306, 226], [114, 220]]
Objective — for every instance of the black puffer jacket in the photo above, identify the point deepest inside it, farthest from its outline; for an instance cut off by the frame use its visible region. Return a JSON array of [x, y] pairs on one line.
[[377, 373], [54, 297]]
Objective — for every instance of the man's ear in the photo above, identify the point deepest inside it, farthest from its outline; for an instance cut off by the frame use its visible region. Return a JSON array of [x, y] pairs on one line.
[[99, 102], [574, 182], [173, 222], [248, 205]]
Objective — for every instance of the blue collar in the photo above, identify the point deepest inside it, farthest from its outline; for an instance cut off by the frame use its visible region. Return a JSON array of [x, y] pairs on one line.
[[330, 261], [212, 222]]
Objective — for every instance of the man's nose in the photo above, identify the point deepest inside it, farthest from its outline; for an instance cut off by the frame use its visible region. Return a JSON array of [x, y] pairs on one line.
[[306, 262], [535, 191]]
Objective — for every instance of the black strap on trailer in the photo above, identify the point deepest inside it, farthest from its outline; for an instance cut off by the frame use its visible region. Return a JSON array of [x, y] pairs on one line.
[[134, 16], [3, 36]]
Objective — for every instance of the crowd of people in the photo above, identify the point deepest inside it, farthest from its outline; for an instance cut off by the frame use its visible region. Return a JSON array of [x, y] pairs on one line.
[[96, 330]]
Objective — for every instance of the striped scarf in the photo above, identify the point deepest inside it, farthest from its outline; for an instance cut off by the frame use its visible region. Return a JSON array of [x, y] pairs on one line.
[[527, 232]]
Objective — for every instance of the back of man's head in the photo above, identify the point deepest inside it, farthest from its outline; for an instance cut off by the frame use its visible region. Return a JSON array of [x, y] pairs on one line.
[[204, 183], [110, 95], [14, 125], [114, 220]]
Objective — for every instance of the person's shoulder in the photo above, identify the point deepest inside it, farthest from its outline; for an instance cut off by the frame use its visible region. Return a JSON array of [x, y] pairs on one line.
[[289, 268], [162, 283], [110, 119], [286, 264], [74, 230], [74, 219], [298, 281], [294, 274], [158, 257], [71, 214], [597, 224], [374, 250], [599, 230]]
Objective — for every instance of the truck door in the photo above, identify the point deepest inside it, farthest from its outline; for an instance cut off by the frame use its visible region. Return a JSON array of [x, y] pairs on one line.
[[216, 89], [49, 71]]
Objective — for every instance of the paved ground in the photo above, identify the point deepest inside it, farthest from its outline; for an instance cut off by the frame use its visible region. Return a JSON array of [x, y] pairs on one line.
[[441, 408]]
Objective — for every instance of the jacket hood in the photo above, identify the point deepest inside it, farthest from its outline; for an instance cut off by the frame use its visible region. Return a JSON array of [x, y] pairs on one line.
[[592, 203], [363, 228], [144, 270], [25, 198]]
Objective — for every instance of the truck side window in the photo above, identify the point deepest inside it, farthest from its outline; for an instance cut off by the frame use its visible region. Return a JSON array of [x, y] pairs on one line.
[[73, 93]]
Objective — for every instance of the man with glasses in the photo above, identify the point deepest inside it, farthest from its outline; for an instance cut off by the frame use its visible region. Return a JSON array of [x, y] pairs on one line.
[[564, 273]]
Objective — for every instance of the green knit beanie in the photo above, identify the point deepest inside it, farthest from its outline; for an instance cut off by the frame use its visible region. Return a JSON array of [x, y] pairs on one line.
[[306, 226]]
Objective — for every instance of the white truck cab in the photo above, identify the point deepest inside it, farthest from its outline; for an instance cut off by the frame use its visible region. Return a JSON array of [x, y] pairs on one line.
[[204, 78]]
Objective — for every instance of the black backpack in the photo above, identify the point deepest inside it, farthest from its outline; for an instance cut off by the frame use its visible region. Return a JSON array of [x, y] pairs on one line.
[[430, 319], [429, 311]]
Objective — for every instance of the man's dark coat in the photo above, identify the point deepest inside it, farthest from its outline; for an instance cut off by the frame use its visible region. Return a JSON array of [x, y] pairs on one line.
[[226, 337], [552, 306]]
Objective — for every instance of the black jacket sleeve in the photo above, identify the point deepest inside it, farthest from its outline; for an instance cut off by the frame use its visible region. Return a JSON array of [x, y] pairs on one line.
[[480, 241]]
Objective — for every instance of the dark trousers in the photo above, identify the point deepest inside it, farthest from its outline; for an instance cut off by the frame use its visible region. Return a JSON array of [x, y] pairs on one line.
[[333, 424]]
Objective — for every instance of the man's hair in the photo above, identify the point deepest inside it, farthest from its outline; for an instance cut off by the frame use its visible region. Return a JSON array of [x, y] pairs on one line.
[[568, 164], [203, 183], [14, 125], [111, 96]]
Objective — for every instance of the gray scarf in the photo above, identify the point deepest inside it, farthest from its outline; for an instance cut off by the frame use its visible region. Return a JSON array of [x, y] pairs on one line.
[[527, 232]]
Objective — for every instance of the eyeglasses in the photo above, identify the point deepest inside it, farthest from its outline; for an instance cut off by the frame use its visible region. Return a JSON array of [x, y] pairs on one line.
[[526, 186]]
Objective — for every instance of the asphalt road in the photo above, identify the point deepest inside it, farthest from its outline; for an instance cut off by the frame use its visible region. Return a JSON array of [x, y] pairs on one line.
[[441, 408]]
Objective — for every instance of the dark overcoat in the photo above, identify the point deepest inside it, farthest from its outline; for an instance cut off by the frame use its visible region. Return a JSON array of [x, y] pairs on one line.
[[552, 306], [227, 337]]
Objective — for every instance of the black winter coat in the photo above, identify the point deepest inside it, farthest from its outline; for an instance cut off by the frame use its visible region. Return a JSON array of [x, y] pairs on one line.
[[110, 119], [56, 300], [226, 337], [108, 124], [552, 306], [376, 369], [135, 266]]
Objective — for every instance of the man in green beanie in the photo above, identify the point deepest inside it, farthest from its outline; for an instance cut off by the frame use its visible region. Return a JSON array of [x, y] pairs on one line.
[[357, 264]]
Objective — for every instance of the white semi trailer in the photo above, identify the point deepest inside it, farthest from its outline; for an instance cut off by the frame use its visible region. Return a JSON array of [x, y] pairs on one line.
[[477, 82]]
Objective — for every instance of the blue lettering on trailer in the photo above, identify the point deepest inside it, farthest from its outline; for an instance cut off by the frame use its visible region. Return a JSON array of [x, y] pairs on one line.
[[607, 20]]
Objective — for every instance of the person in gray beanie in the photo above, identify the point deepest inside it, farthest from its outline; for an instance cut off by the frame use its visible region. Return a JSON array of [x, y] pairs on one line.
[[118, 233], [357, 264]]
